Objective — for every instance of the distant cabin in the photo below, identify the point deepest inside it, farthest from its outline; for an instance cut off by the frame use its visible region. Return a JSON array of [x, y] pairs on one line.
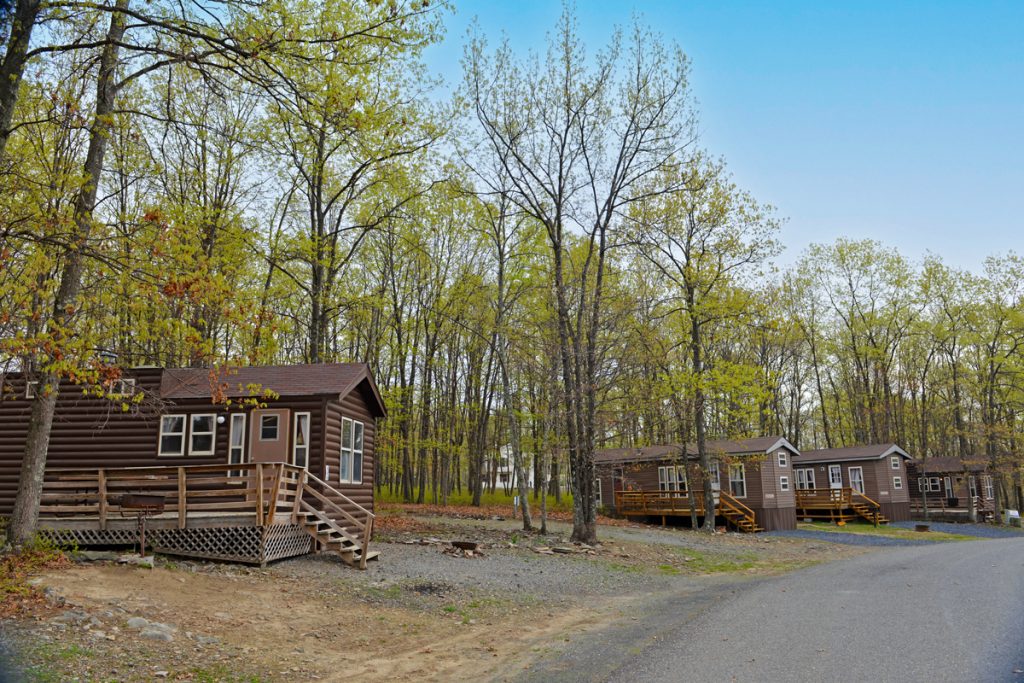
[[752, 480], [950, 483], [305, 428], [841, 484]]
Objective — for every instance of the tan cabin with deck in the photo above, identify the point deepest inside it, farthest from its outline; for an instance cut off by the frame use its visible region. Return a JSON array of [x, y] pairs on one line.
[[752, 480], [247, 464], [859, 482]]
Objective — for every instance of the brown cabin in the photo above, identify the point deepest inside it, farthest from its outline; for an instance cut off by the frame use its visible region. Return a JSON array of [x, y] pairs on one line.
[[950, 482], [841, 484], [752, 480], [284, 451]]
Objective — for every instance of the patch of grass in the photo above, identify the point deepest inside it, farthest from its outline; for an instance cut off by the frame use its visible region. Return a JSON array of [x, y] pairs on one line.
[[668, 569], [716, 563], [221, 674], [884, 530]]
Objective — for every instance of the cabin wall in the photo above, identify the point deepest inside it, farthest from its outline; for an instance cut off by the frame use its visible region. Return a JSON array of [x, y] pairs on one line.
[[356, 407], [93, 433]]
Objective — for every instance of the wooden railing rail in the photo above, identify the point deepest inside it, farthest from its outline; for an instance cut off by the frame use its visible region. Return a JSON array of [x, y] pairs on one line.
[[331, 510]]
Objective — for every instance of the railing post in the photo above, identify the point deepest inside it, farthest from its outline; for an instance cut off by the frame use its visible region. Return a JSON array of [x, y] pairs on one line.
[[182, 499], [367, 531], [274, 493], [300, 484], [259, 494], [101, 488]]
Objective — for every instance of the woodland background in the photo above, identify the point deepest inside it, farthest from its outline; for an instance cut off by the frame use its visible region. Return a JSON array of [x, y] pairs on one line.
[[549, 262]]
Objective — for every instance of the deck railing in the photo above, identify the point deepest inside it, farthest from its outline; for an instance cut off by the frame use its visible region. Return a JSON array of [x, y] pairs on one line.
[[658, 502], [264, 490], [838, 499]]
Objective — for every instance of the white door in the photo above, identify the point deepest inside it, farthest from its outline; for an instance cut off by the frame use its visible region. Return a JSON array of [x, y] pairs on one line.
[[835, 476], [857, 479]]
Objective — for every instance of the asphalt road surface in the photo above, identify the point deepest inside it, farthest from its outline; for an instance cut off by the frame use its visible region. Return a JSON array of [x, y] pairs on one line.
[[945, 612]]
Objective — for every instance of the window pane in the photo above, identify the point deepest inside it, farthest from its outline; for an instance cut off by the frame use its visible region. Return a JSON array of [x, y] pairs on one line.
[[268, 427], [346, 433], [357, 467], [202, 443], [237, 430], [302, 431], [171, 443], [173, 424], [202, 423], [358, 436], [343, 469]]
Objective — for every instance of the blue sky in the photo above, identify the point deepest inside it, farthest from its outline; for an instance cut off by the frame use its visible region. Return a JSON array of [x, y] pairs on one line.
[[898, 121]]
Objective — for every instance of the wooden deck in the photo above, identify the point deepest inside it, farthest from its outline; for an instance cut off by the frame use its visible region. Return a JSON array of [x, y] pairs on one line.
[[839, 505], [255, 512], [676, 503]]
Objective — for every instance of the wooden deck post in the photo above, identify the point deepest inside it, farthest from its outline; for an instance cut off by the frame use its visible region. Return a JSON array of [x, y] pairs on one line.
[[101, 486], [367, 532], [259, 494], [300, 484], [274, 493], [182, 499]]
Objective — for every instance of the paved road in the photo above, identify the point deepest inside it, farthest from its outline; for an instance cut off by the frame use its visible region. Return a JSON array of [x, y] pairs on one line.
[[946, 612]]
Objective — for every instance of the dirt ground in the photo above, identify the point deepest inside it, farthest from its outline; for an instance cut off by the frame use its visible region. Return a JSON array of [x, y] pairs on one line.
[[423, 611]]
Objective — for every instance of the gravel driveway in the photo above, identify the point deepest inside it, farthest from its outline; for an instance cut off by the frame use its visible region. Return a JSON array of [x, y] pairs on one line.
[[979, 530], [851, 539]]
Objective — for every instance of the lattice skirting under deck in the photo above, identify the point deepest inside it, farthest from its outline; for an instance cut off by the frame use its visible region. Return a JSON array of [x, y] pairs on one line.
[[249, 544]]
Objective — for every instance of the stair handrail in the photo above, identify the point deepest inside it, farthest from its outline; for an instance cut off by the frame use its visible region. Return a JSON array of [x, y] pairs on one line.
[[735, 504], [856, 493], [365, 526]]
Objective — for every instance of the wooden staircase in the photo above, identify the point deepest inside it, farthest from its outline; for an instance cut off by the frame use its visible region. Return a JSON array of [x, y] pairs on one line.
[[867, 508], [738, 514], [337, 523]]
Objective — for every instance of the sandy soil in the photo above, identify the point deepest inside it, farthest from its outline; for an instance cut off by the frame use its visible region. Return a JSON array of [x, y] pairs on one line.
[[419, 613]]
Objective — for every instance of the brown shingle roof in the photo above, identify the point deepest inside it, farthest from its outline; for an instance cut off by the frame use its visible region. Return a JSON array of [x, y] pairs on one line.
[[324, 379], [873, 451], [949, 463], [761, 444]]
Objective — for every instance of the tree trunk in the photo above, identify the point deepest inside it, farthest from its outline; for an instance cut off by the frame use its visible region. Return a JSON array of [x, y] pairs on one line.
[[13, 67], [25, 515]]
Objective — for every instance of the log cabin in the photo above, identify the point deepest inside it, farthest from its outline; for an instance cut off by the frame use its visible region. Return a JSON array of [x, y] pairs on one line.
[[752, 481], [248, 464], [950, 483], [843, 484]]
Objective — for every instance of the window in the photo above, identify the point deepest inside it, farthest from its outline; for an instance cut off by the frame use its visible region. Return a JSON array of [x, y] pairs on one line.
[[972, 485], [300, 449], [31, 386], [121, 388], [934, 485], [672, 478], [804, 478], [236, 442], [172, 435], [783, 483], [201, 438], [897, 483], [894, 462], [738, 481], [783, 459], [350, 469], [597, 493], [270, 427], [986, 482], [857, 479], [716, 477]]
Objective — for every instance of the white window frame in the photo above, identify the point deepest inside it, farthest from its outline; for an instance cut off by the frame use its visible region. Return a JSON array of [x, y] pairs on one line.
[[972, 486], [672, 478], [295, 438], [598, 498], [122, 387], [348, 456], [934, 485], [183, 434], [783, 459], [716, 473], [232, 448], [894, 462], [853, 480], [739, 467], [988, 486], [192, 433], [783, 483], [30, 388], [805, 478], [897, 483], [277, 418]]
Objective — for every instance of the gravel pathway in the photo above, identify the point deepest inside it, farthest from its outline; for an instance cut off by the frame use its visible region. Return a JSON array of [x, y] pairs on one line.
[[979, 530], [850, 539]]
